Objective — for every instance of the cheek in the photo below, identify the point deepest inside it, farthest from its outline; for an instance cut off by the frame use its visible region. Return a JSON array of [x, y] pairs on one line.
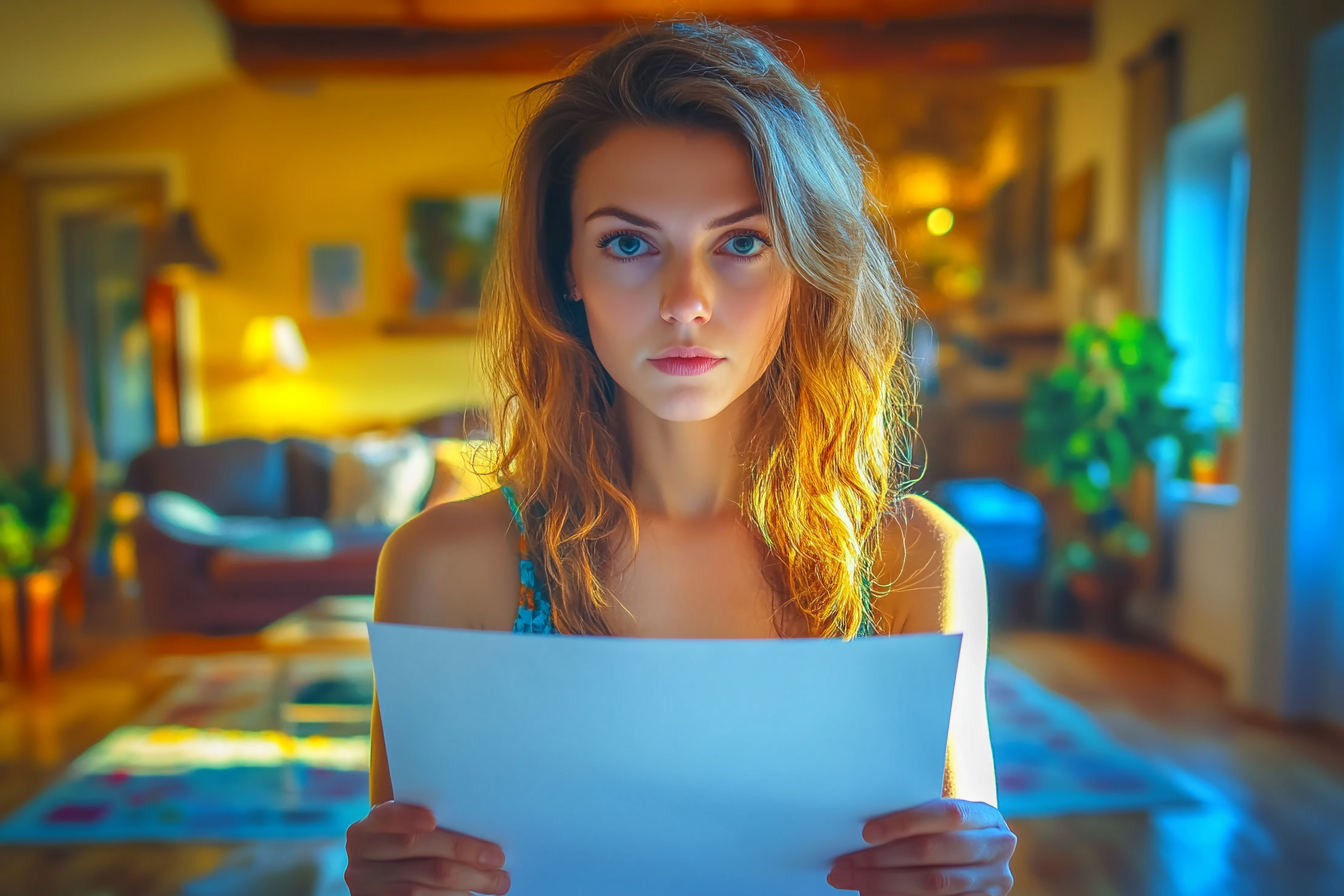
[[616, 323], [758, 313]]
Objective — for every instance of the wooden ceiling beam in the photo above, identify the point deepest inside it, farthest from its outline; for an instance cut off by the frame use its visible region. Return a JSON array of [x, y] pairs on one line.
[[979, 42], [471, 14]]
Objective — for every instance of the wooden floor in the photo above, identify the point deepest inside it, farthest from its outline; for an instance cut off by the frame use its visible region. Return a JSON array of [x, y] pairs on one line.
[[1272, 821]]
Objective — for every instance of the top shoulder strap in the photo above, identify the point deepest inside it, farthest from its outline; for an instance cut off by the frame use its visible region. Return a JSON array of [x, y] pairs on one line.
[[513, 506]]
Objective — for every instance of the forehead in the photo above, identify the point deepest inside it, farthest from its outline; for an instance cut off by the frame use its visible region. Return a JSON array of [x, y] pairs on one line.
[[658, 166]]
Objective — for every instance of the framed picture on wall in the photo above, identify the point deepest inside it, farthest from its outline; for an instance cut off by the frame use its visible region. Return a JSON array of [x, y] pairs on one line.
[[335, 279], [449, 244]]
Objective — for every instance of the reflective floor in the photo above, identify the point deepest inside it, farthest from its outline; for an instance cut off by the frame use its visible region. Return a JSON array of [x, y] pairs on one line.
[[1271, 814]]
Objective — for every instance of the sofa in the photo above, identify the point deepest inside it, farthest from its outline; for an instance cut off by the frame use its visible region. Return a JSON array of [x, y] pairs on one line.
[[257, 541]]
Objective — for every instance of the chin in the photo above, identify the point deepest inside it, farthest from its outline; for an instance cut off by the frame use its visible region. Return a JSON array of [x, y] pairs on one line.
[[687, 407]]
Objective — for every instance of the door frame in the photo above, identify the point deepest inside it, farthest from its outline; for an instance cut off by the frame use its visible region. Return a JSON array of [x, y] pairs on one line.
[[53, 189]]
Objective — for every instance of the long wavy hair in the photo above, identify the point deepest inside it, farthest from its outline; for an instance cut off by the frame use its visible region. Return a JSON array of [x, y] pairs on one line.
[[832, 451]]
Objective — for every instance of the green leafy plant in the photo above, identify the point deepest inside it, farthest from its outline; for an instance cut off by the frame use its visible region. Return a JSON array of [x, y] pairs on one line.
[[36, 516], [1096, 418]]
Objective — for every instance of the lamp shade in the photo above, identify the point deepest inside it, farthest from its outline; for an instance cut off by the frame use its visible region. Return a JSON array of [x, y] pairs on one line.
[[274, 342], [181, 244]]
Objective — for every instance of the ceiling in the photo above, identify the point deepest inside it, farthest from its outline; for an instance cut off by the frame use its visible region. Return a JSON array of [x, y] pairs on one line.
[[62, 60]]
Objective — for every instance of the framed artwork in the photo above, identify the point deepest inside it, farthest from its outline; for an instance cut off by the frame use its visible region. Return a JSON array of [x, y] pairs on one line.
[[449, 244], [335, 278]]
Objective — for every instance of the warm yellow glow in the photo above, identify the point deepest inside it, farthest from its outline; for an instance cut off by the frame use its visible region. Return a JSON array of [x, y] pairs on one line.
[[125, 507], [939, 221], [460, 456], [1003, 152], [921, 181], [957, 282], [121, 554], [273, 342]]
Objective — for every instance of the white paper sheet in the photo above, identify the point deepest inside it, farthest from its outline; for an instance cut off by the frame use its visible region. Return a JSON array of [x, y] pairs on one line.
[[641, 767]]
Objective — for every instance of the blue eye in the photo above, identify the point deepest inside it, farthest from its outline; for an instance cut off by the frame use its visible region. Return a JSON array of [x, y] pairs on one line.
[[626, 245], [746, 246]]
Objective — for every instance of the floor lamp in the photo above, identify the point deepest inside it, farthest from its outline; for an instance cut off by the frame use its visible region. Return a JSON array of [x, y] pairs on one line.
[[180, 247]]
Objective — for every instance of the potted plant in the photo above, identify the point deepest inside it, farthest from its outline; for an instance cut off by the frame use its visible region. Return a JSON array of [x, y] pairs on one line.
[[36, 516], [1089, 426]]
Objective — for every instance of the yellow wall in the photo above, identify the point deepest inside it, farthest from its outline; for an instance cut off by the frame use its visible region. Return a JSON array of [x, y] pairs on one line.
[[269, 172]]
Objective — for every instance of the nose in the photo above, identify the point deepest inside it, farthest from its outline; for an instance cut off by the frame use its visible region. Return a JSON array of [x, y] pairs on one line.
[[686, 296]]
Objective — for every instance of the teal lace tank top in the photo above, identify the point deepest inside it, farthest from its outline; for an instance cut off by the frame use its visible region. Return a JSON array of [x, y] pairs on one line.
[[534, 607]]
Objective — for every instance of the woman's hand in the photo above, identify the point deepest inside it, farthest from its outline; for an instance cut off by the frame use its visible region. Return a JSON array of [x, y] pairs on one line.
[[396, 850], [943, 846]]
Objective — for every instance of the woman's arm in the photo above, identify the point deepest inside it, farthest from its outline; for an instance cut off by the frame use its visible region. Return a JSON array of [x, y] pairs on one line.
[[960, 843], [936, 580]]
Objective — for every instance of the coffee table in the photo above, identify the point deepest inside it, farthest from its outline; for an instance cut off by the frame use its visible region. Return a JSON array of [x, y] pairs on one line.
[[339, 619]]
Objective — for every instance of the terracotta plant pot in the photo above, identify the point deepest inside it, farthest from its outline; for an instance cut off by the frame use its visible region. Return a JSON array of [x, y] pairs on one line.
[[26, 607], [41, 589], [11, 643], [1102, 597]]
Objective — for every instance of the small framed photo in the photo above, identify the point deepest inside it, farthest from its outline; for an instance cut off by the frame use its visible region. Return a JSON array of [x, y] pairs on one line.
[[336, 279]]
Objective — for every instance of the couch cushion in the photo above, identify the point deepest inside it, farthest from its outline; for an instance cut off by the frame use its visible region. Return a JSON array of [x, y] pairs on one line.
[[348, 571], [235, 477]]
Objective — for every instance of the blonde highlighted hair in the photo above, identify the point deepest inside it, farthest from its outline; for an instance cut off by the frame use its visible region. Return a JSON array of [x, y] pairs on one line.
[[832, 452]]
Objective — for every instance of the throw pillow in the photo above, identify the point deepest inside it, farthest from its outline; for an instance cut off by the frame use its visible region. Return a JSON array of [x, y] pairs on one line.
[[378, 479]]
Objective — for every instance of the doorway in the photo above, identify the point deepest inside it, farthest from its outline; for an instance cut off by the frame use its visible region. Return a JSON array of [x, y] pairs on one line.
[[92, 234]]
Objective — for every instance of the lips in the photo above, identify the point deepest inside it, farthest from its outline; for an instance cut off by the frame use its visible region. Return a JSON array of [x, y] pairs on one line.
[[686, 360]]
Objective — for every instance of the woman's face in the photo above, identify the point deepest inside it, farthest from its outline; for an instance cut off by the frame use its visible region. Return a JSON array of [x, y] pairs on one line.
[[674, 262]]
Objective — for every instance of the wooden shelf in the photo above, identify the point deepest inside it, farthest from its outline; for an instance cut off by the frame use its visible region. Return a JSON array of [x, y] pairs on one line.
[[446, 325]]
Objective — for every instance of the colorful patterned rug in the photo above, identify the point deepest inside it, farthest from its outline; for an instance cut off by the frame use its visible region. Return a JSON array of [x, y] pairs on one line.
[[1051, 757], [172, 783], [204, 764]]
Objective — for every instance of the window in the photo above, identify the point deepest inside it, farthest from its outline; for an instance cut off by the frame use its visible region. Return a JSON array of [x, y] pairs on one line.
[[1204, 247]]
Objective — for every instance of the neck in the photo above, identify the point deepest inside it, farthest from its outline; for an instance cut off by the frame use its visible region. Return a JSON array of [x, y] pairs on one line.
[[685, 469]]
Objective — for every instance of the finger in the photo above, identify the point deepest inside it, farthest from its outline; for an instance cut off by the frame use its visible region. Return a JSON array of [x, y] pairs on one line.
[[433, 874], [933, 817], [437, 843], [907, 882], [400, 817], [924, 850]]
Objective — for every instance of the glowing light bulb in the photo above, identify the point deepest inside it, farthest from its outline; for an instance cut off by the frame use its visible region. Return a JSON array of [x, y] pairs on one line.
[[939, 221]]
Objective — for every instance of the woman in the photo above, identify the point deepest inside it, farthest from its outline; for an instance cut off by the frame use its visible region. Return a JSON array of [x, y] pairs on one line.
[[695, 329]]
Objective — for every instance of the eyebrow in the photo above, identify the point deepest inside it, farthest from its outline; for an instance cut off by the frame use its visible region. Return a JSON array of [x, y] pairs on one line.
[[615, 211]]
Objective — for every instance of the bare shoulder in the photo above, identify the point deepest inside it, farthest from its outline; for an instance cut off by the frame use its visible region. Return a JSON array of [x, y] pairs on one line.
[[928, 569], [454, 565]]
